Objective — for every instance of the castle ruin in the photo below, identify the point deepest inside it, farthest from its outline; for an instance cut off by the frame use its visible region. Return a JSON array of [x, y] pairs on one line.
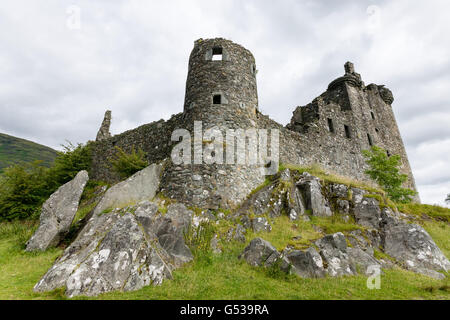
[[221, 91]]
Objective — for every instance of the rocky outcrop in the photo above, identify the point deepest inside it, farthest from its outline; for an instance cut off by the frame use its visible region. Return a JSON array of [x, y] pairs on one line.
[[125, 249], [296, 197], [57, 214], [306, 264], [382, 229], [333, 250], [257, 224], [412, 245], [262, 253], [311, 190], [366, 210], [332, 257], [143, 185]]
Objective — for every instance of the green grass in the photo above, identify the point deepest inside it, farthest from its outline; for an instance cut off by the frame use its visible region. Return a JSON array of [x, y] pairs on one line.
[[284, 231], [14, 150], [20, 270], [440, 232], [425, 209], [318, 171], [224, 276]]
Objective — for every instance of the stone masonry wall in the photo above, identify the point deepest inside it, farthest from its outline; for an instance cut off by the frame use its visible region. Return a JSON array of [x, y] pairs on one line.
[[306, 140]]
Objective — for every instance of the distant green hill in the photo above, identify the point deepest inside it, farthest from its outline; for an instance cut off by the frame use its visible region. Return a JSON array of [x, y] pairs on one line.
[[14, 150]]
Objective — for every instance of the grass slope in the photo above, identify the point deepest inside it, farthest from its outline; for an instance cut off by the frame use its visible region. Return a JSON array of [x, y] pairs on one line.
[[14, 150], [224, 276]]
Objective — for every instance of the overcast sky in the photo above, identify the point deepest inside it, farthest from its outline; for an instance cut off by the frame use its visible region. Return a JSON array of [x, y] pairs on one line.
[[60, 73]]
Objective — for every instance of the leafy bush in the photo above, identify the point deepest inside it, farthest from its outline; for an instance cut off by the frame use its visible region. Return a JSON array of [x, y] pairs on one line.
[[68, 163], [127, 164], [24, 187], [385, 171]]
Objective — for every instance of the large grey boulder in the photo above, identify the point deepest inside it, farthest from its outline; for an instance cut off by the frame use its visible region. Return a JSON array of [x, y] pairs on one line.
[[57, 214], [333, 250], [260, 252], [362, 261], [366, 209], [306, 264], [141, 186], [125, 249], [311, 191], [412, 245]]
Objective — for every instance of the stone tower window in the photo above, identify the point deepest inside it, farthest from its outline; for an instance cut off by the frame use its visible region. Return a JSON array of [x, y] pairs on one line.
[[217, 54], [388, 153], [347, 131], [370, 139], [372, 114], [330, 125], [217, 99]]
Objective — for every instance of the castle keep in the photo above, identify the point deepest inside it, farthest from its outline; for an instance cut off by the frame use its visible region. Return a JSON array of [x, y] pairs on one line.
[[221, 92]]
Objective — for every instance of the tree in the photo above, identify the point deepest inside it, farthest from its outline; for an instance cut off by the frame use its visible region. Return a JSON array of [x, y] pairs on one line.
[[448, 198], [385, 171]]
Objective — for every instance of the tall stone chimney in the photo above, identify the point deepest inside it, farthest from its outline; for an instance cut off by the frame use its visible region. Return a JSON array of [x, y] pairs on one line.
[[103, 132]]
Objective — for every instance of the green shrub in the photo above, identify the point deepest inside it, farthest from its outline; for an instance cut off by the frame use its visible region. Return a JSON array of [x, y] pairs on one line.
[[22, 191], [24, 187], [385, 171], [68, 163], [127, 164]]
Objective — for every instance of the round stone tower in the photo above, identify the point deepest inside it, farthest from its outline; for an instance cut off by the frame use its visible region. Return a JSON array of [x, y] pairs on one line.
[[220, 94], [221, 75]]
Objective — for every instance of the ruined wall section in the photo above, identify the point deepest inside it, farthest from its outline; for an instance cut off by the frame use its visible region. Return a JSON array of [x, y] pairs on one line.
[[152, 138], [348, 118]]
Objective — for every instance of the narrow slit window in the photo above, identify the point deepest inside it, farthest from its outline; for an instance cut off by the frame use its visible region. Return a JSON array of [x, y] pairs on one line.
[[370, 139], [330, 125], [217, 99], [388, 153], [347, 131], [373, 115], [217, 54]]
